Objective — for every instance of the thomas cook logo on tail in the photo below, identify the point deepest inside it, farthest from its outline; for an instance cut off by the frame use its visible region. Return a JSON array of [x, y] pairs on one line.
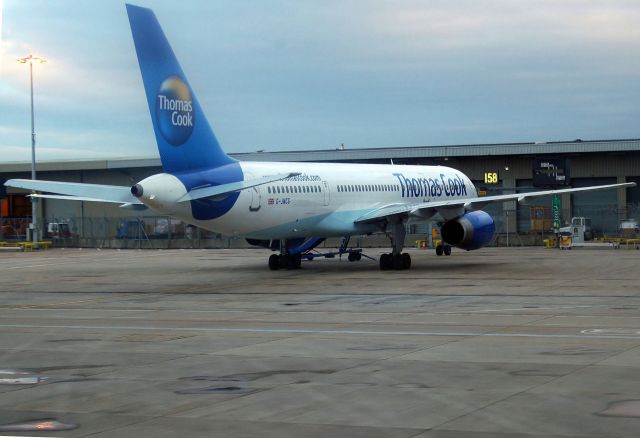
[[174, 110]]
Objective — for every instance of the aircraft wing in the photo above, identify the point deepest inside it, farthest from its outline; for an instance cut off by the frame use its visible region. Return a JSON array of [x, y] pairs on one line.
[[77, 191], [453, 208]]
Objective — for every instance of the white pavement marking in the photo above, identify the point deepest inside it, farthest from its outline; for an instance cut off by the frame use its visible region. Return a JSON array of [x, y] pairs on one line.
[[84, 260], [530, 308], [619, 332], [314, 331]]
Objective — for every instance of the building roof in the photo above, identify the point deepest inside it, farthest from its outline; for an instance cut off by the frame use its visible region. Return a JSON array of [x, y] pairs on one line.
[[337, 155]]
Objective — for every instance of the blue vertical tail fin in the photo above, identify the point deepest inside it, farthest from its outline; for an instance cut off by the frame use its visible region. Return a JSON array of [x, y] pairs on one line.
[[185, 139]]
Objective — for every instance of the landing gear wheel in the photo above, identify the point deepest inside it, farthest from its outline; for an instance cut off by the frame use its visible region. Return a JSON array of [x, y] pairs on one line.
[[386, 262], [447, 250], [439, 250], [285, 261], [406, 261], [397, 261], [274, 262]]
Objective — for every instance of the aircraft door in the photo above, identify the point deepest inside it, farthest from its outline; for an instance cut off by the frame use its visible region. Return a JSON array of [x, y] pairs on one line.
[[256, 199]]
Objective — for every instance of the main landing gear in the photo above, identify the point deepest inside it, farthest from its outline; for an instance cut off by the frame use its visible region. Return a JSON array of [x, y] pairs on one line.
[[292, 255], [396, 259], [443, 249], [285, 261]]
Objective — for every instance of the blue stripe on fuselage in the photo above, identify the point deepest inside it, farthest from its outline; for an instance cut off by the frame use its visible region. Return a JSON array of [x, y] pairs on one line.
[[206, 209]]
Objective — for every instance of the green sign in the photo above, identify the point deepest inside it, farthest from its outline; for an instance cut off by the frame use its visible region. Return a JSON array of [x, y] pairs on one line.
[[555, 207]]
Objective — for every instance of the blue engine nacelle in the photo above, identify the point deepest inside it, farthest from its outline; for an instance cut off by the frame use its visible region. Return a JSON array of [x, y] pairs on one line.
[[471, 231]]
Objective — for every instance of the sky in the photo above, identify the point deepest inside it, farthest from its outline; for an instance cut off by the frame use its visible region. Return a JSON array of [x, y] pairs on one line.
[[298, 75]]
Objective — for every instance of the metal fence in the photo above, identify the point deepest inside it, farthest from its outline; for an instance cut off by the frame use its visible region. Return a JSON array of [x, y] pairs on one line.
[[166, 232], [143, 232]]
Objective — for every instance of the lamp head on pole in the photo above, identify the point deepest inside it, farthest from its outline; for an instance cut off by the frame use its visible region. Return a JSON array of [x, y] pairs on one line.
[[31, 59]]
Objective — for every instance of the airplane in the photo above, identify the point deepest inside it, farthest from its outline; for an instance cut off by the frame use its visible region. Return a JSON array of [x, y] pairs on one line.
[[288, 207]]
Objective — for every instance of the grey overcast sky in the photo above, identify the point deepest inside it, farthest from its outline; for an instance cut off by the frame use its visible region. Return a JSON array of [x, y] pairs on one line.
[[296, 75]]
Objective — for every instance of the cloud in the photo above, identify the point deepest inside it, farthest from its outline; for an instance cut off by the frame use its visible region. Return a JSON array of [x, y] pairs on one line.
[[293, 75]]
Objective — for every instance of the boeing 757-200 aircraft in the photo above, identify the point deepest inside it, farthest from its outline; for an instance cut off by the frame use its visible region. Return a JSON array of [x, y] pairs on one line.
[[288, 207]]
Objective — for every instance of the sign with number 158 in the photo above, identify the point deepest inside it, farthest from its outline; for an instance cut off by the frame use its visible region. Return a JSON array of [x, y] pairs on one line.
[[491, 177]]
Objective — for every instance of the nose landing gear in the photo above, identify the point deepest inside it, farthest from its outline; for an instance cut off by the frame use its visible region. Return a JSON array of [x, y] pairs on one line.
[[443, 249]]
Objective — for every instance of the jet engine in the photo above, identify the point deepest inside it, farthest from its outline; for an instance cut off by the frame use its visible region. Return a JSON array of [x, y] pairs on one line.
[[471, 231]]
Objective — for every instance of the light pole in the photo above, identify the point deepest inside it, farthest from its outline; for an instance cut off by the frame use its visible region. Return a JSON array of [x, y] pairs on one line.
[[34, 207]]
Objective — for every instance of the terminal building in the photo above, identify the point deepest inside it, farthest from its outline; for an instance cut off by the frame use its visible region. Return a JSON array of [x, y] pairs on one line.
[[494, 169]]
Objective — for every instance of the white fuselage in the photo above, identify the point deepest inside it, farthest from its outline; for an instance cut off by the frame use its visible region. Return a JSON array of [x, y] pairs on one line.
[[324, 200]]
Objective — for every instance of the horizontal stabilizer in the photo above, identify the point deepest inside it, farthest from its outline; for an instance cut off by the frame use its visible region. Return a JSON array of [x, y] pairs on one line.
[[224, 189], [77, 191]]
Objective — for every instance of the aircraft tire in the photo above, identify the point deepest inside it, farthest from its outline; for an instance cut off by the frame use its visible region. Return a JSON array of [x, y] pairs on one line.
[[274, 262], [447, 250], [406, 261], [385, 262], [398, 263], [439, 250]]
